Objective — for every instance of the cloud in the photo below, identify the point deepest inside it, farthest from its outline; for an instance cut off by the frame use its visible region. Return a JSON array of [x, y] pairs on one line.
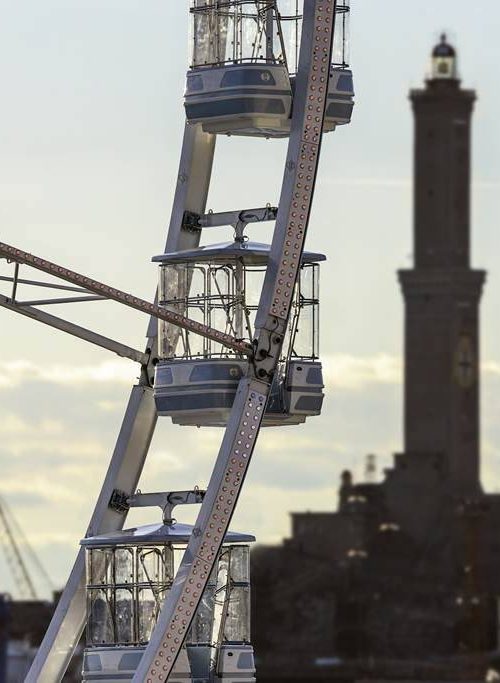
[[43, 488], [109, 406], [118, 371], [14, 425], [491, 368], [355, 372], [168, 462], [57, 448]]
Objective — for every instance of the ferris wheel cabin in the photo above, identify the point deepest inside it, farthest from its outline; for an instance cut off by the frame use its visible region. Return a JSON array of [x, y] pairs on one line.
[[220, 285], [130, 573], [244, 60]]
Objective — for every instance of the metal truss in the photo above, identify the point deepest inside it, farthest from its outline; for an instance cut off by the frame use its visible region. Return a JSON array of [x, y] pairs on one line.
[[274, 310], [218, 503], [106, 292], [137, 429]]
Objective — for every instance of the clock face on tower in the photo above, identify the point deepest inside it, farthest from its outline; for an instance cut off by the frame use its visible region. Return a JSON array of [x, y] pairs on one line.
[[465, 363]]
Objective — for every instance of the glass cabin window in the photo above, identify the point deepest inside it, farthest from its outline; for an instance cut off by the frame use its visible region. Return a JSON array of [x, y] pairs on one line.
[[100, 567], [234, 32], [226, 297], [126, 587], [304, 321], [203, 624], [240, 564], [232, 609], [151, 566], [237, 623], [100, 617], [341, 41], [125, 610], [124, 566], [148, 610], [291, 27], [124, 615], [237, 627]]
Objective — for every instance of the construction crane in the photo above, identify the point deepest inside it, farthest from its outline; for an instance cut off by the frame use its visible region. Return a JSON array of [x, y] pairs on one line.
[[247, 369], [14, 541]]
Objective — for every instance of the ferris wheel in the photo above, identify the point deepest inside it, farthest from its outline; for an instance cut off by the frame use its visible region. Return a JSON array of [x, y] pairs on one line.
[[232, 342]]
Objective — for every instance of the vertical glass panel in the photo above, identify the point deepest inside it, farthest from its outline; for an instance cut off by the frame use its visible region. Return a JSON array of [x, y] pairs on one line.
[[341, 42], [168, 564], [240, 564], [303, 343], [202, 628], [150, 563], [291, 26], [124, 616], [304, 326], [237, 623], [100, 618], [232, 31], [100, 566], [254, 281], [209, 32], [197, 309], [240, 321], [174, 288], [307, 282], [252, 32], [222, 303], [223, 568], [124, 565], [183, 291], [148, 614], [222, 579]]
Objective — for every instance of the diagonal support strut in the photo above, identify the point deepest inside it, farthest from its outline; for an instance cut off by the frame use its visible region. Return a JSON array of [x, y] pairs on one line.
[[81, 332], [19, 256]]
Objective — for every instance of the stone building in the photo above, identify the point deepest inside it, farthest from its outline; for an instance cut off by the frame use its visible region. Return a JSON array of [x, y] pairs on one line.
[[407, 570]]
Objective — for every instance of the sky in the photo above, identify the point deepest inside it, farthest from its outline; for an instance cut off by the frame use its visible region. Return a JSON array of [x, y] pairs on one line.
[[90, 132]]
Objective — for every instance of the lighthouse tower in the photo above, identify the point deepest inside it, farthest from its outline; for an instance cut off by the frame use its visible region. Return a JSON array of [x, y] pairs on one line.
[[442, 292]]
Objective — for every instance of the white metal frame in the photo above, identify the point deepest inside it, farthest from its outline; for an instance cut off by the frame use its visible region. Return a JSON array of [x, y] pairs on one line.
[[136, 431], [245, 420]]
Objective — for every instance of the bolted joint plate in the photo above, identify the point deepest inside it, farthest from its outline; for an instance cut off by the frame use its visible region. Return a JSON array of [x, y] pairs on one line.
[[268, 349]]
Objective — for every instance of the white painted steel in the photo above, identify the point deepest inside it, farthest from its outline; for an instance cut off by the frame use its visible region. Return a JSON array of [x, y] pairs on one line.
[[213, 521], [246, 417], [68, 622], [249, 406], [137, 429]]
